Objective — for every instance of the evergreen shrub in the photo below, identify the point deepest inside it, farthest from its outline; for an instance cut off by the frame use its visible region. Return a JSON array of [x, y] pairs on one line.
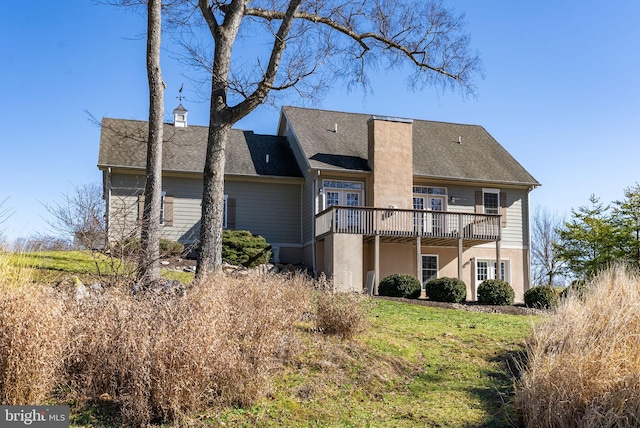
[[452, 290]]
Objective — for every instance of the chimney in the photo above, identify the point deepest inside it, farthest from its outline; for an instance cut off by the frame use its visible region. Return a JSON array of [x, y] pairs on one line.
[[180, 117], [390, 142]]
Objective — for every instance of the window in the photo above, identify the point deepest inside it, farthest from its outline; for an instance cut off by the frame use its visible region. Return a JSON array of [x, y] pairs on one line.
[[429, 268], [491, 201], [430, 190], [486, 269]]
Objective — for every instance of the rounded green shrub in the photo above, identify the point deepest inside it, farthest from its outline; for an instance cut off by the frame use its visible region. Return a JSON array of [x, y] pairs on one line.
[[542, 297], [169, 248], [495, 292], [241, 247], [452, 290], [400, 285]]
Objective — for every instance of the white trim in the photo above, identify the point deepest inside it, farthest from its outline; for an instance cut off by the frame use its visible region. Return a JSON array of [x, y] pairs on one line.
[[163, 197], [225, 213]]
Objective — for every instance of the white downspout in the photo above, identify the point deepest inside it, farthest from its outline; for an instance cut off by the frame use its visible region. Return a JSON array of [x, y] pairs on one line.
[[313, 224]]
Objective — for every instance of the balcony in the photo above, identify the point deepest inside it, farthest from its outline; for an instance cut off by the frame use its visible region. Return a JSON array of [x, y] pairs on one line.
[[433, 227]]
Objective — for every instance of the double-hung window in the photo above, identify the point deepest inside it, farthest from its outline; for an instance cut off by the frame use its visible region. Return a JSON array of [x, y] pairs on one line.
[[486, 269], [491, 201]]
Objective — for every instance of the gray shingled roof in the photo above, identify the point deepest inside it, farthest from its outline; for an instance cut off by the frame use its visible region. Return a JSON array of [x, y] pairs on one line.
[[436, 151], [122, 144]]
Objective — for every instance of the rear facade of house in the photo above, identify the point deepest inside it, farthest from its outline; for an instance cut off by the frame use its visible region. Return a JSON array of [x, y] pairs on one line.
[[355, 196]]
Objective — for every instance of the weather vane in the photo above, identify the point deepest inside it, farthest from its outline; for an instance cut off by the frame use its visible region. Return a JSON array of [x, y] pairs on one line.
[[180, 96]]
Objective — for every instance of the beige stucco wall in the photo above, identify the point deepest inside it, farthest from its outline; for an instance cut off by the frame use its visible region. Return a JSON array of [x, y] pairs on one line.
[[518, 276], [391, 160], [343, 261]]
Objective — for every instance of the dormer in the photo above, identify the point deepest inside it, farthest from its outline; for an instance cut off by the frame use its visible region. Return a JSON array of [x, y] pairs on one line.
[[180, 117]]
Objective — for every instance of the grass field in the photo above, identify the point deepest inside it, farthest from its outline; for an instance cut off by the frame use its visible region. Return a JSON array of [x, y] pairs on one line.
[[413, 366]]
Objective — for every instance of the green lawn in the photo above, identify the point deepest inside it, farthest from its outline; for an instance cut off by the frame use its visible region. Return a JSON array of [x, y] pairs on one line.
[[416, 366], [51, 267]]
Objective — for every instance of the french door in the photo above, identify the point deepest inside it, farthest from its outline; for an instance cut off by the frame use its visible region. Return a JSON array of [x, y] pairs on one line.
[[346, 218], [431, 221]]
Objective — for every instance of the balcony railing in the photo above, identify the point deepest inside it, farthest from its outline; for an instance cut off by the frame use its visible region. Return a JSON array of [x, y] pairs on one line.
[[408, 223]]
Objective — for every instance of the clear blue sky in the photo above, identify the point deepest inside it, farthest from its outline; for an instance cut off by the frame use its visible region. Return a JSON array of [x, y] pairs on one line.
[[560, 93]]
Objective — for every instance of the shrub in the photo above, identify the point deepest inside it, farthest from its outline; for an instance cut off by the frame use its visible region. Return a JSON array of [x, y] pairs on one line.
[[578, 288], [582, 365], [495, 292], [452, 290], [169, 248], [400, 285], [341, 314], [241, 247], [542, 297]]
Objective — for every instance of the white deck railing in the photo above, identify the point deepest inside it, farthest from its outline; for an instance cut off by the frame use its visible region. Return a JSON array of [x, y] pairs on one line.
[[407, 223]]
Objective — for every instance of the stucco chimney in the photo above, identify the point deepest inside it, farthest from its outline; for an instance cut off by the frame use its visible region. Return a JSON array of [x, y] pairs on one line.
[[391, 162], [180, 117]]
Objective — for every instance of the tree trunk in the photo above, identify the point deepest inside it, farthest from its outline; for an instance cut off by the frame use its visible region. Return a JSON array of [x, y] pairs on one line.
[[210, 258], [149, 263]]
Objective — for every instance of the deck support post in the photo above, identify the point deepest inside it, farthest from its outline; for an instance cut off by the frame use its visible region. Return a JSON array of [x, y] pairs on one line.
[[419, 259], [376, 261], [460, 257]]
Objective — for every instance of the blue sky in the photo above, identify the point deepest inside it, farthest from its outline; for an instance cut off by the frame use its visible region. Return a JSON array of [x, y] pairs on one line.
[[560, 93]]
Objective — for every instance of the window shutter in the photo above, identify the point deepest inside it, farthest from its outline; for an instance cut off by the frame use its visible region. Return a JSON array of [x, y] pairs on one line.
[[168, 210], [503, 208], [140, 208], [479, 202], [231, 213]]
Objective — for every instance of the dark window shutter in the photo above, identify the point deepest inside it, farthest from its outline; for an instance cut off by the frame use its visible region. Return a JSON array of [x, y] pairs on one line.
[[168, 210], [140, 207], [231, 213], [479, 202], [503, 208]]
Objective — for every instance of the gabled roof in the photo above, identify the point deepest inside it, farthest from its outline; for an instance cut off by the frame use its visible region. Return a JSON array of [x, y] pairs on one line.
[[337, 141], [123, 144]]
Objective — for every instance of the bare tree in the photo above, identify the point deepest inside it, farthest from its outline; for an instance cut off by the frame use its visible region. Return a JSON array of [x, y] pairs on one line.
[[149, 264], [310, 43], [80, 216], [547, 266]]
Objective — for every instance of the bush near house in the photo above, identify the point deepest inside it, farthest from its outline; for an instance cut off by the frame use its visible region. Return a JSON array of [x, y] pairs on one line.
[[241, 247], [400, 285], [541, 297], [495, 292], [452, 290]]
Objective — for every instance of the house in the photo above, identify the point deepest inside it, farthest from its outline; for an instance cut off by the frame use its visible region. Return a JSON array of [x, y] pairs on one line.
[[355, 196]]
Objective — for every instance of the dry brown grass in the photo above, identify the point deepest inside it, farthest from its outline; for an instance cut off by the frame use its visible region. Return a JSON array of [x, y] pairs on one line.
[[341, 314], [583, 367], [34, 338], [156, 357]]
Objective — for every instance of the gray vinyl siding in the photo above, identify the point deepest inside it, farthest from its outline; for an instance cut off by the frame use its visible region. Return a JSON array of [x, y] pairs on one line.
[[268, 208], [308, 198]]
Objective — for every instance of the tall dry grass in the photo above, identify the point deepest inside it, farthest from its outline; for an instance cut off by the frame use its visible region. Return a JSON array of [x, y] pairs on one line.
[[158, 357], [583, 367]]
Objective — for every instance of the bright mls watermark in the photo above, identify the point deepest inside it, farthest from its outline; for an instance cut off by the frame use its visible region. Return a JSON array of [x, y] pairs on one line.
[[34, 416]]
